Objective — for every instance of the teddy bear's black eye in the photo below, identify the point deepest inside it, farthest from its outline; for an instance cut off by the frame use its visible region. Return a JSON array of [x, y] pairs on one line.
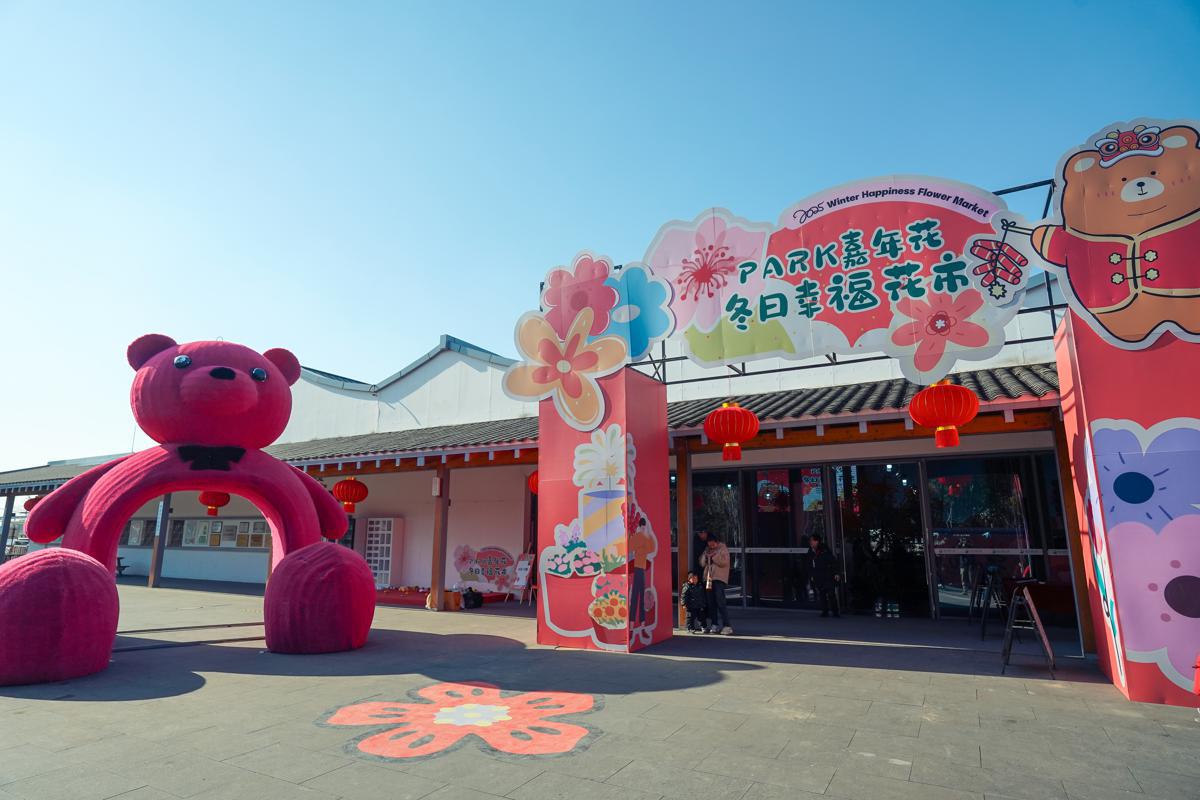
[[1153, 172], [182, 362], [1124, 179], [259, 374]]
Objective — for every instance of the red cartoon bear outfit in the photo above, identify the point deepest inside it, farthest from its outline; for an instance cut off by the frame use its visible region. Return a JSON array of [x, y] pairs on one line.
[[1110, 273]]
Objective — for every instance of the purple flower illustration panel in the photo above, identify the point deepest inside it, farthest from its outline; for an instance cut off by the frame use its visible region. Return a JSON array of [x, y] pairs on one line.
[[1154, 485]]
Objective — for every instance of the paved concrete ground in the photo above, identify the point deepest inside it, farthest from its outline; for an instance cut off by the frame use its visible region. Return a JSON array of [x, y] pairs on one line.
[[856, 709]]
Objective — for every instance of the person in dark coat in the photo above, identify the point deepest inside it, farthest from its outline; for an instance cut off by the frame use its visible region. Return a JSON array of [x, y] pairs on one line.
[[823, 575], [694, 603]]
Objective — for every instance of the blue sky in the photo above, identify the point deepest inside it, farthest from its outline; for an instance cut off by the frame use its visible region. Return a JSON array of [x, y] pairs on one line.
[[351, 180]]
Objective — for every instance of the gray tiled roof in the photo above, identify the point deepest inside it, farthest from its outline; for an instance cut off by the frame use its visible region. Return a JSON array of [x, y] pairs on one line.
[[1003, 383], [506, 431], [1036, 380], [37, 478]]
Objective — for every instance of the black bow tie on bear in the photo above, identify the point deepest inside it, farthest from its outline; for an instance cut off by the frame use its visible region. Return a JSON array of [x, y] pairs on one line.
[[201, 457]]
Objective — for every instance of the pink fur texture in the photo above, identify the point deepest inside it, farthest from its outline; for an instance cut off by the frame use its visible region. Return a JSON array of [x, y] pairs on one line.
[[213, 406]]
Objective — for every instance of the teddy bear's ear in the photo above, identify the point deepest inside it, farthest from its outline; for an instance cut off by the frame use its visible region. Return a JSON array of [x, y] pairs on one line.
[[1080, 162], [1179, 136], [146, 347], [289, 367]]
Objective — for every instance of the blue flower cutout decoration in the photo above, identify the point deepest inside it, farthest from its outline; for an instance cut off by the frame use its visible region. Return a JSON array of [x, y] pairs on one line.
[[642, 315], [1153, 485]]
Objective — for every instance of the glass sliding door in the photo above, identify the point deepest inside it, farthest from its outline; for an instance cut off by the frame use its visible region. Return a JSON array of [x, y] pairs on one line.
[[787, 506], [883, 540], [717, 509]]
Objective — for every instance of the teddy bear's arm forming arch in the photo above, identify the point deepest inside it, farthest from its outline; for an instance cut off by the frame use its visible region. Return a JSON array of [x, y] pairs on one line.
[[329, 511], [49, 518]]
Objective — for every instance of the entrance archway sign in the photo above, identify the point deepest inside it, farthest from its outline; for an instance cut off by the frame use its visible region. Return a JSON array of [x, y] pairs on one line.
[[927, 271], [212, 406]]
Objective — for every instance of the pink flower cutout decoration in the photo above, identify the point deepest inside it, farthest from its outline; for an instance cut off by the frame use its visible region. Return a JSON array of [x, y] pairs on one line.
[[701, 260], [938, 323], [569, 292], [519, 723]]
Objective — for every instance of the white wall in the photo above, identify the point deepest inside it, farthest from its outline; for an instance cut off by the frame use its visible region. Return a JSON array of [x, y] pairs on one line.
[[487, 507], [450, 389]]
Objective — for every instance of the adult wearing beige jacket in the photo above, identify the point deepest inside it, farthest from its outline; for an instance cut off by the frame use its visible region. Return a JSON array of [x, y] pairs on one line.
[[715, 562]]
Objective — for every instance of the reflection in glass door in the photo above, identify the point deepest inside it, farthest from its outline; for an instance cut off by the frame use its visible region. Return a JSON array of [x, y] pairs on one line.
[[717, 509], [787, 506], [883, 541]]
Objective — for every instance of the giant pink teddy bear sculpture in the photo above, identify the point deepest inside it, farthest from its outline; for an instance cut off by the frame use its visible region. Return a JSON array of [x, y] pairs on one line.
[[212, 406]]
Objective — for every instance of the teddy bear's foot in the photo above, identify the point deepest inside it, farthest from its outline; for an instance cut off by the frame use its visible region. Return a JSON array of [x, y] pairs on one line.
[[320, 599], [58, 617]]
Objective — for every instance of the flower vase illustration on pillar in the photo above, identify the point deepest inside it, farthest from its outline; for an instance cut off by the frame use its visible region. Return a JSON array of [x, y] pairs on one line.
[[567, 569], [609, 610]]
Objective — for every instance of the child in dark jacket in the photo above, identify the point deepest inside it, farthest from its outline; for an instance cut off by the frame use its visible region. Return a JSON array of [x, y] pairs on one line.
[[694, 602]]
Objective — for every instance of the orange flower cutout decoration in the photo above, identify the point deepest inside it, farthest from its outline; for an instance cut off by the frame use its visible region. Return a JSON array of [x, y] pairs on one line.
[[450, 712], [565, 369]]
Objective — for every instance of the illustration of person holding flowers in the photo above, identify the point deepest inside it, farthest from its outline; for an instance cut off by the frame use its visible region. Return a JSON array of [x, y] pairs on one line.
[[641, 547]]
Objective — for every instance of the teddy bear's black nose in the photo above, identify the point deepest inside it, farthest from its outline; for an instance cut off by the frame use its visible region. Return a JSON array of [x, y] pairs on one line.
[[222, 373], [1141, 184]]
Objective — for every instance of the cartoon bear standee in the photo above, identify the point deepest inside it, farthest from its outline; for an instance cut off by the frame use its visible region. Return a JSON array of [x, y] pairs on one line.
[[1127, 233], [213, 407]]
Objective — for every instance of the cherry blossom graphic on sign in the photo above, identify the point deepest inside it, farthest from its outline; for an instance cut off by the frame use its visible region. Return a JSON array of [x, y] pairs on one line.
[[569, 292], [700, 259], [447, 715], [936, 327]]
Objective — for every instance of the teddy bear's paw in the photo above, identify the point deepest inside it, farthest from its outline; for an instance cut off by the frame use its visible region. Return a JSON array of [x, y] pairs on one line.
[[58, 617], [320, 599]]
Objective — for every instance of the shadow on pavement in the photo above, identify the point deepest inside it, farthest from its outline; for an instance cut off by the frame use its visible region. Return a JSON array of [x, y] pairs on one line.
[[160, 673]]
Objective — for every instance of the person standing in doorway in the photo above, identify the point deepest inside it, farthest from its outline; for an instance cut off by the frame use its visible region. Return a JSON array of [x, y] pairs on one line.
[[699, 545], [823, 575], [715, 561]]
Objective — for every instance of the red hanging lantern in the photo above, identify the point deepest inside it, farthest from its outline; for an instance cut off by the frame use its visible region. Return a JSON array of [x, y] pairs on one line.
[[213, 501], [944, 407], [533, 482], [31, 502], [730, 425], [349, 492]]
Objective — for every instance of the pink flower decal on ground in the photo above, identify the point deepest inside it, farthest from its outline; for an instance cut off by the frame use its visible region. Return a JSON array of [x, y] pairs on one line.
[[448, 713], [701, 260], [565, 369], [938, 323], [569, 292]]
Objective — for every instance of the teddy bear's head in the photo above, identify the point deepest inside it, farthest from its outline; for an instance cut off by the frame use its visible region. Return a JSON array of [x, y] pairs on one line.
[[210, 393], [1132, 181]]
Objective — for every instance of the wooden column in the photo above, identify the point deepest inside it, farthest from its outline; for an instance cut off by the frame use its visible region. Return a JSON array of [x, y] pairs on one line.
[[683, 518], [1066, 481], [441, 527], [161, 524], [6, 526]]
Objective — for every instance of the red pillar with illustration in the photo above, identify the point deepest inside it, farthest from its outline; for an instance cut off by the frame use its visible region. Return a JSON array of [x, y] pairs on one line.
[[1135, 454], [604, 545]]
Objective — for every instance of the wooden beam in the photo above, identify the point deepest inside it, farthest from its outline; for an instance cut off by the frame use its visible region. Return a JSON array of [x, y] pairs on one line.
[[683, 518], [441, 528], [387, 464], [888, 430]]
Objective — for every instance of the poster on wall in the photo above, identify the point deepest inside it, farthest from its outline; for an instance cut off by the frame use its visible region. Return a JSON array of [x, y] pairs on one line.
[[490, 568]]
